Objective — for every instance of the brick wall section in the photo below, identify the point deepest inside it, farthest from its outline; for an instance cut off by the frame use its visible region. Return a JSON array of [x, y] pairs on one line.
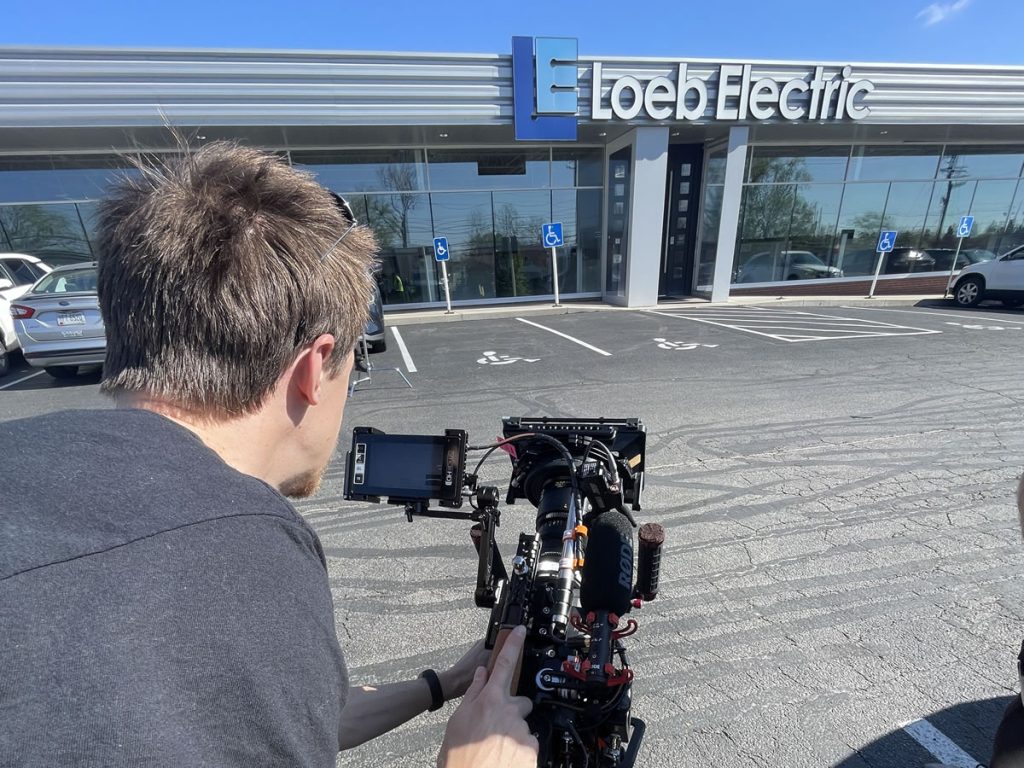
[[911, 286]]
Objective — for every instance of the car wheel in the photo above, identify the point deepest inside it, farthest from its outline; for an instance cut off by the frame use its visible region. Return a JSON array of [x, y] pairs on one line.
[[378, 346], [793, 277], [5, 359], [62, 371], [969, 292]]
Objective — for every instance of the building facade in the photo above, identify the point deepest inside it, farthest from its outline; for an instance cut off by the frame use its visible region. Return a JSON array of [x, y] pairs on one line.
[[671, 177]]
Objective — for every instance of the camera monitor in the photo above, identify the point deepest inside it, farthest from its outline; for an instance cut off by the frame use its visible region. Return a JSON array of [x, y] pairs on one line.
[[406, 468]]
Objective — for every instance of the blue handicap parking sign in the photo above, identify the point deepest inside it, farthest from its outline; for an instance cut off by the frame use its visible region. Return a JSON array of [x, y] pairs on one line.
[[440, 249], [965, 226], [551, 234], [886, 241]]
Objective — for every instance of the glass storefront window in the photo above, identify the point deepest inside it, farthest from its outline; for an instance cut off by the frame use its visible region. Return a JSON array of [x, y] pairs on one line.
[[365, 170], [974, 162], [403, 227], [488, 169], [522, 265], [579, 262], [711, 217], [860, 220], [902, 163], [906, 209], [44, 179], [780, 164], [715, 171], [466, 219], [813, 223], [52, 232], [765, 213], [577, 167], [619, 180], [950, 200]]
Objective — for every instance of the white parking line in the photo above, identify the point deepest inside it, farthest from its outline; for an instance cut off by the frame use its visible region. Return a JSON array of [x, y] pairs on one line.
[[565, 336], [793, 326], [940, 745], [410, 366], [961, 316], [24, 378]]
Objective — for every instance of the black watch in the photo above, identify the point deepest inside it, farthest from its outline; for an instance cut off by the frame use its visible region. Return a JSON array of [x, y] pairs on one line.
[[436, 692]]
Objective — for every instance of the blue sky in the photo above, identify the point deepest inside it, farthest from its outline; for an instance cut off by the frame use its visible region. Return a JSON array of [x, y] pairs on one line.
[[941, 31]]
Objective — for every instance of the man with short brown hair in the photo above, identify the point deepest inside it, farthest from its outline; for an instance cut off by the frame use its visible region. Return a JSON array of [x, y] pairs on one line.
[[161, 603]]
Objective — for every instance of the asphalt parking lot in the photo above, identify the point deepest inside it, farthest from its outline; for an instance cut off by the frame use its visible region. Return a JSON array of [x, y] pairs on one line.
[[842, 585]]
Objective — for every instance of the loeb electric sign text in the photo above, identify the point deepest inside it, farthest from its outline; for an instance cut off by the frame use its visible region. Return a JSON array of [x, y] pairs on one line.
[[545, 71]]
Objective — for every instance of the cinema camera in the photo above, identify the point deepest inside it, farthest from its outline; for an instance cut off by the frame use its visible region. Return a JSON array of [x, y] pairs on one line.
[[571, 582]]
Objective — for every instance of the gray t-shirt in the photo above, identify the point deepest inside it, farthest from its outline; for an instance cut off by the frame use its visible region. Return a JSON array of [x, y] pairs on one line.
[[157, 607]]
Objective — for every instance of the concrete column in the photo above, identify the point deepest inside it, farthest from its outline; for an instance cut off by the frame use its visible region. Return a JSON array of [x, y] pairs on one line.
[[646, 215], [728, 226]]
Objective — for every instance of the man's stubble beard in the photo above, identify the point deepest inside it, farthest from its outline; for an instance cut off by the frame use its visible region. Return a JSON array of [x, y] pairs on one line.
[[304, 485]]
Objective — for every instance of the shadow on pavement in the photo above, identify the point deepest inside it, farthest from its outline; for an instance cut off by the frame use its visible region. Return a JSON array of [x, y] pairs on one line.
[[971, 726]]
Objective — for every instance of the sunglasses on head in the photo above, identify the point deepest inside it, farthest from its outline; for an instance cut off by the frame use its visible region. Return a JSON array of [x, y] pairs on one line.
[[350, 217]]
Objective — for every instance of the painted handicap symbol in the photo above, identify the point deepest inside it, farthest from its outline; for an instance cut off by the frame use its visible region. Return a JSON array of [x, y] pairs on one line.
[[491, 358], [684, 346]]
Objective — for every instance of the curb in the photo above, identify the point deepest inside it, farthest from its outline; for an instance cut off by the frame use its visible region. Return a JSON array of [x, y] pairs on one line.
[[545, 308]]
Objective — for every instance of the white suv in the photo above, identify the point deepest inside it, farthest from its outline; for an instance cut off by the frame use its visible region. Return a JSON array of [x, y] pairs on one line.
[[1001, 278]]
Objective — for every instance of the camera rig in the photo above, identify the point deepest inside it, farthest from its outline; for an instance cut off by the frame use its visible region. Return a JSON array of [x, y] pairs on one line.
[[570, 582]]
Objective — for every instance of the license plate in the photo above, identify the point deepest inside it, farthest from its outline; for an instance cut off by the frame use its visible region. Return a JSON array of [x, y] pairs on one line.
[[71, 318]]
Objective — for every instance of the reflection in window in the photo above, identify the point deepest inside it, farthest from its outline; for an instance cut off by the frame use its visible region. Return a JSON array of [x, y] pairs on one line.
[[54, 233], [798, 163], [488, 169], [365, 170], [522, 264], [990, 208], [57, 177], [906, 209], [711, 217], [579, 262], [815, 213], [465, 218], [981, 162], [870, 163], [577, 167], [618, 222], [402, 225], [950, 200], [860, 220], [715, 172]]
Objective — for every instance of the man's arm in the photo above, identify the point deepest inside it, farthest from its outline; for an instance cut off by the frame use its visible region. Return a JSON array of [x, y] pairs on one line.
[[373, 710]]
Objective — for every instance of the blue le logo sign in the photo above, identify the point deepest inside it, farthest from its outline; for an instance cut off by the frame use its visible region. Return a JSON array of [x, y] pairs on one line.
[[886, 241], [544, 88]]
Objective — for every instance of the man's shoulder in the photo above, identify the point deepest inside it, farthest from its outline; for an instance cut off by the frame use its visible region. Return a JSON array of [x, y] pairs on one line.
[[83, 482]]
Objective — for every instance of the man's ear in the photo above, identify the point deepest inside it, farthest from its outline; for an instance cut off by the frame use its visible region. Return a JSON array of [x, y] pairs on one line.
[[310, 368]]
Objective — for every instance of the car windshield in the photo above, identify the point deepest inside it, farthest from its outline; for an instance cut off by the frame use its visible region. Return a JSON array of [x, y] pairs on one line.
[[70, 281]]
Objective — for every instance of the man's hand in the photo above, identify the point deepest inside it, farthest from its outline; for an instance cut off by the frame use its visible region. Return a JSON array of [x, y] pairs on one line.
[[456, 680], [488, 730]]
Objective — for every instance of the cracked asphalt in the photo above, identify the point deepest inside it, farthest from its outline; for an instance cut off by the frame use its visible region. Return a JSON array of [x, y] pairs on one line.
[[843, 551]]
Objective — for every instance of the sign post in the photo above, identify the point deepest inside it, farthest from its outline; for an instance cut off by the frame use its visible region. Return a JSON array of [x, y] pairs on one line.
[[886, 242], [963, 230], [442, 254], [551, 237]]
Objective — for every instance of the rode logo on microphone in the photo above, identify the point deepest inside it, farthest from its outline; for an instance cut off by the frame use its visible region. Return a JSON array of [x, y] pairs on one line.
[[626, 563]]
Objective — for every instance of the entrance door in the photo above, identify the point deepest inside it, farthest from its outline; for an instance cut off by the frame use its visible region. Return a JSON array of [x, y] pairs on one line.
[[682, 204]]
